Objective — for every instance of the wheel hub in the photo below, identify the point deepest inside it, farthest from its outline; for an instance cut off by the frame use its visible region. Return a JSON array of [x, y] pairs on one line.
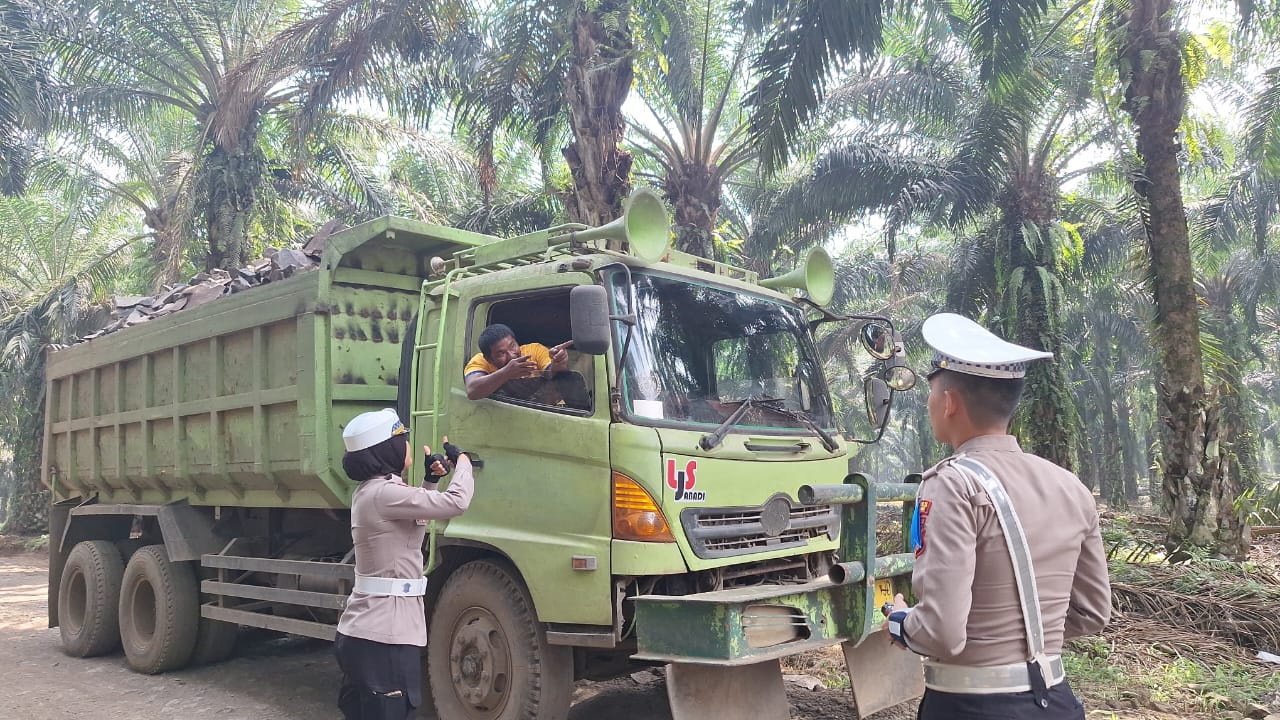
[[480, 663]]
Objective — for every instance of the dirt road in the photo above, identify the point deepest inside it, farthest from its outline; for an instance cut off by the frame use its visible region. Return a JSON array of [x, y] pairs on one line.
[[270, 677]]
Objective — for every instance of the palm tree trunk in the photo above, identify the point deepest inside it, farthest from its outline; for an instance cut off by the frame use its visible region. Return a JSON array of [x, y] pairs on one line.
[[1112, 484], [1128, 444], [1201, 502], [1272, 435], [167, 244], [1031, 309], [695, 197], [598, 82], [231, 177], [1087, 454], [28, 506]]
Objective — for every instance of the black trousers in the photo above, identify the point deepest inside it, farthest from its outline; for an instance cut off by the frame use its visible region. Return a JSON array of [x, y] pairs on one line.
[[379, 681], [1063, 705]]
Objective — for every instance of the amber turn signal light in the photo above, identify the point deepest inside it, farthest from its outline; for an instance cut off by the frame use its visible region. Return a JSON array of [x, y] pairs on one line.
[[635, 515]]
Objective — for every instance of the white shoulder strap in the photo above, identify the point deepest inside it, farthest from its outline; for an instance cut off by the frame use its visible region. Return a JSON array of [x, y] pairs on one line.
[[1019, 552]]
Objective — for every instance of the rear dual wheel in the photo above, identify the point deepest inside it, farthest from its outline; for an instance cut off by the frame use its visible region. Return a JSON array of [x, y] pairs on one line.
[[159, 611], [88, 596]]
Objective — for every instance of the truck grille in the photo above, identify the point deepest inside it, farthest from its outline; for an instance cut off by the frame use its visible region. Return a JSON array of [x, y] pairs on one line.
[[775, 525]]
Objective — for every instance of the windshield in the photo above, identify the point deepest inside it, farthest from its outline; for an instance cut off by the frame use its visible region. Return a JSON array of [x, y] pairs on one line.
[[698, 351]]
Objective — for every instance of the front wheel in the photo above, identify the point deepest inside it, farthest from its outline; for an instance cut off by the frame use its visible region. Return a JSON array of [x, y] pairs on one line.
[[487, 654]]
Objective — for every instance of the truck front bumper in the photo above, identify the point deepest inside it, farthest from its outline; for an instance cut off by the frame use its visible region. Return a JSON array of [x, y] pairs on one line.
[[741, 626]]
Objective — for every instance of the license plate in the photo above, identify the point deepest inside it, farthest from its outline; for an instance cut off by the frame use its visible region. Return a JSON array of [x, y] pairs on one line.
[[884, 592]]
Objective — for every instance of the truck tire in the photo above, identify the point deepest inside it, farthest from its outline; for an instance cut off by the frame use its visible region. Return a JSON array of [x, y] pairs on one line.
[[159, 611], [487, 654], [215, 641], [89, 599]]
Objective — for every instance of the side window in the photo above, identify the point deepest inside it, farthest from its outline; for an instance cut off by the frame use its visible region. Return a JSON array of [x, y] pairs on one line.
[[543, 320]]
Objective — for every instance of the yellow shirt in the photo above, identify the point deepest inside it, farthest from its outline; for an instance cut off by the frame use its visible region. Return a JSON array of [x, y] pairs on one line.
[[537, 352]]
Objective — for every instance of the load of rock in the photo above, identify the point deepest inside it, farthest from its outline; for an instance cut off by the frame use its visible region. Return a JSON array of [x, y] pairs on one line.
[[278, 264]]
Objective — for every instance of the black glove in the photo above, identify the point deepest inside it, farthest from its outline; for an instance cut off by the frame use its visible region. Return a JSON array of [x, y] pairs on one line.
[[432, 460], [453, 452]]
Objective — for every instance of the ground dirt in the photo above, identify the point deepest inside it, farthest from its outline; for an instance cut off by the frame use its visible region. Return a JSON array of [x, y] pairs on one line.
[[269, 678], [288, 678]]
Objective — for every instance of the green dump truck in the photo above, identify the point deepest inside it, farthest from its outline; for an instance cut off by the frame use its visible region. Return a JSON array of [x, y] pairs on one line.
[[678, 497]]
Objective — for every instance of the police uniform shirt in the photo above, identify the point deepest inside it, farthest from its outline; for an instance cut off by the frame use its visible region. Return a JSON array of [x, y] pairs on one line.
[[969, 611], [388, 526]]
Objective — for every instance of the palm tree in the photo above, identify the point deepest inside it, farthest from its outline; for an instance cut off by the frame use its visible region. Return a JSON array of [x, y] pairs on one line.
[[231, 68], [552, 69], [1150, 55], [1108, 317], [24, 86], [805, 41], [695, 139], [150, 171], [59, 264], [934, 144]]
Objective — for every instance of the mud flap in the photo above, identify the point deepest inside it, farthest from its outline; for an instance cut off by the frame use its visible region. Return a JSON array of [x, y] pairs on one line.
[[714, 692], [882, 675]]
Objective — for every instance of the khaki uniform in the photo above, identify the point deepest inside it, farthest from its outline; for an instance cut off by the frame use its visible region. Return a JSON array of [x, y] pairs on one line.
[[388, 524], [968, 611]]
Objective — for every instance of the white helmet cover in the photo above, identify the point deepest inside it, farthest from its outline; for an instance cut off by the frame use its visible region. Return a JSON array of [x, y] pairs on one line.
[[368, 429]]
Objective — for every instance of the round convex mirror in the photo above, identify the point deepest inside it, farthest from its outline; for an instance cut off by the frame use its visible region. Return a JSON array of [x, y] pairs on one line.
[[878, 340], [900, 378]]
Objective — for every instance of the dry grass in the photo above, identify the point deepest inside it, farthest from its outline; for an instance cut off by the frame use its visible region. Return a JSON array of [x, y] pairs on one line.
[[1181, 645]]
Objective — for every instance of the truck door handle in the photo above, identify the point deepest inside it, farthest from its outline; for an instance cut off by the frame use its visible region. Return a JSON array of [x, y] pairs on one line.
[[796, 448]]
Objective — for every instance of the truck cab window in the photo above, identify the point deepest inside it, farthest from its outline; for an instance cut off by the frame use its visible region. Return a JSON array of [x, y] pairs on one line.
[[543, 319], [699, 352]]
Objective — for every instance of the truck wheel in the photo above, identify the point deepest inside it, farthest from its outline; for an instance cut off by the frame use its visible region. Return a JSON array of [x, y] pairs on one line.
[[159, 611], [487, 654], [215, 641], [89, 598]]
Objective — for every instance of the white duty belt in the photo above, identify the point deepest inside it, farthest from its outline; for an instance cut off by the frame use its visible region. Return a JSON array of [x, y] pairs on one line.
[[1002, 678], [399, 587]]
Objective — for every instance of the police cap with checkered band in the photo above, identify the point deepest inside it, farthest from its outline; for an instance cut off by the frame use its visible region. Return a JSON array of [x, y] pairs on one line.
[[962, 345]]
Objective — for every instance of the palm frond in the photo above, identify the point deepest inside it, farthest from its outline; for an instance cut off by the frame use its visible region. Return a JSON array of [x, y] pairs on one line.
[[806, 41]]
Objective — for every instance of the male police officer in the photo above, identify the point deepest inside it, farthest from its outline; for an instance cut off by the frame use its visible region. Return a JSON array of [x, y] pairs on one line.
[[1009, 560]]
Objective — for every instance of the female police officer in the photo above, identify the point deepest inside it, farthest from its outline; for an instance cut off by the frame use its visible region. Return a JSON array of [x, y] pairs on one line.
[[383, 628], [1009, 560]]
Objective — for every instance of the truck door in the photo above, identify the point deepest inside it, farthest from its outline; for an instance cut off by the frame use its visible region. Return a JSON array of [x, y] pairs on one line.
[[543, 493]]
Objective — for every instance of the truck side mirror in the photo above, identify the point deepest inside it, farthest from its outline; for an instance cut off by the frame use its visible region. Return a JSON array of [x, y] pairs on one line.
[[589, 319], [877, 399]]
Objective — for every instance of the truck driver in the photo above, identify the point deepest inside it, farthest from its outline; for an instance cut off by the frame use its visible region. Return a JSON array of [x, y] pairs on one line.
[[501, 359]]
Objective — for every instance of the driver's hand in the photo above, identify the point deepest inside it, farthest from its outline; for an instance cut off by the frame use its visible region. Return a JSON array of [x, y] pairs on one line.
[[521, 366], [560, 354]]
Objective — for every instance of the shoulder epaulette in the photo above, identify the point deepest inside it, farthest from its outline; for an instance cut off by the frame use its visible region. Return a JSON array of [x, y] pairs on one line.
[[936, 468]]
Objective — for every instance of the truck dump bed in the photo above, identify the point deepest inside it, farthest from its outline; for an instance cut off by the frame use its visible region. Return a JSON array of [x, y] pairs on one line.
[[242, 401]]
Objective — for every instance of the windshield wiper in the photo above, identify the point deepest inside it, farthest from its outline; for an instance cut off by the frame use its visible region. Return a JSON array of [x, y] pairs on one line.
[[803, 418], [716, 436], [713, 439]]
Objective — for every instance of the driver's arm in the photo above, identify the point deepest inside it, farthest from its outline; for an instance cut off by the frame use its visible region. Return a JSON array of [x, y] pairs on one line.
[[481, 384], [479, 381]]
